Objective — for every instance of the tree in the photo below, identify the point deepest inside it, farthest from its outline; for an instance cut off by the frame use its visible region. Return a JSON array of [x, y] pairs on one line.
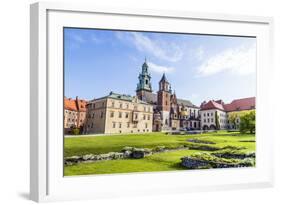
[[217, 120], [232, 118], [248, 122]]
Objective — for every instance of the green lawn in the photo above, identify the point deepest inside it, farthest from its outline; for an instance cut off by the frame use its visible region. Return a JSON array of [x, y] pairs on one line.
[[157, 162]]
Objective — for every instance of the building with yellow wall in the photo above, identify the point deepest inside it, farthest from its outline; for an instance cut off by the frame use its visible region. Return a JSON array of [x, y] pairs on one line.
[[117, 113]]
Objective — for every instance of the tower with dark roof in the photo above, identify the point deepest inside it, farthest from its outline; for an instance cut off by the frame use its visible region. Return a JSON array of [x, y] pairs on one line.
[[144, 84], [164, 101]]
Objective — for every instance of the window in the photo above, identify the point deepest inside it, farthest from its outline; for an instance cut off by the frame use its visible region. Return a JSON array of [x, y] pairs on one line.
[[144, 117], [101, 115], [146, 125], [148, 117], [208, 114], [93, 115], [111, 114], [212, 120], [120, 114], [120, 105], [92, 125], [93, 105], [166, 103], [148, 109], [112, 104], [208, 120], [113, 124], [211, 114], [127, 115], [120, 125], [205, 120], [146, 82], [136, 116], [144, 108], [128, 124], [204, 114], [102, 104], [127, 106]]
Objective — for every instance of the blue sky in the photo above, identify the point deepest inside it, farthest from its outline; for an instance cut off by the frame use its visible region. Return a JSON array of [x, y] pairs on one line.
[[199, 67]]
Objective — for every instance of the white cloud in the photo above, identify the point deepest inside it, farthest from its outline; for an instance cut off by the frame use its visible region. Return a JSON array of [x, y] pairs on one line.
[[240, 61], [163, 50], [159, 69]]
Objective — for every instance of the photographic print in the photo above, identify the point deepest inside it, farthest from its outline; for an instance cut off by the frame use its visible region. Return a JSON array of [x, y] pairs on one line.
[[140, 101]]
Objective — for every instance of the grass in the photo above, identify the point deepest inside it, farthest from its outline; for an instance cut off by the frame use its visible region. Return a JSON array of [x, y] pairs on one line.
[[166, 161]]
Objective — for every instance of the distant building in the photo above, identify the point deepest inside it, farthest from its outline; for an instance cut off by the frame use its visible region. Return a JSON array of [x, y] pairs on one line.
[[215, 114], [116, 113], [74, 114]]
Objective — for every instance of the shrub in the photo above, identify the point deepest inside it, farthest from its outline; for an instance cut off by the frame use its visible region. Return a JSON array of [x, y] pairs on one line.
[[75, 131]]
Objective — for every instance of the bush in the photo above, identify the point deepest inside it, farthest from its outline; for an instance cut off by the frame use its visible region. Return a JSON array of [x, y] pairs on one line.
[[75, 131]]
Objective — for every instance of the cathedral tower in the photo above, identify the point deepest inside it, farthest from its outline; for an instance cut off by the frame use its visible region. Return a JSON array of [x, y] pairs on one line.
[[144, 85], [164, 101], [164, 94]]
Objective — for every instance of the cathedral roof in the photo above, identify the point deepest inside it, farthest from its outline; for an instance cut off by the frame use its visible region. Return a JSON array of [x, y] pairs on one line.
[[164, 79]]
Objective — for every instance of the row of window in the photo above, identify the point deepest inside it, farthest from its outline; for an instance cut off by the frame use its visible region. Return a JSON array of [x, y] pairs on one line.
[[222, 121], [128, 124], [121, 106], [72, 120]]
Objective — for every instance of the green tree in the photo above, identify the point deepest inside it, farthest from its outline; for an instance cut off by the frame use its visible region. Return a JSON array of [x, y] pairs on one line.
[[217, 120], [248, 122], [232, 118]]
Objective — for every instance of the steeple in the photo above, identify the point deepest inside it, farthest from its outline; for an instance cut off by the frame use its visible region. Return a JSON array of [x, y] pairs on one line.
[[163, 79], [164, 85], [144, 83]]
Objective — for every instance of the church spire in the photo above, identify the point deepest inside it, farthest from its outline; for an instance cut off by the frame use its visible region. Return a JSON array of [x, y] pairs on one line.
[[144, 78]]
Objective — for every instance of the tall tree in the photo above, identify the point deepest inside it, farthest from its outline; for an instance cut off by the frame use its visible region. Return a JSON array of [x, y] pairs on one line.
[[248, 122]]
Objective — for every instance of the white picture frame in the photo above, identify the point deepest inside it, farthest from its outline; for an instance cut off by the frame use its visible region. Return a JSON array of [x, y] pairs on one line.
[[46, 136]]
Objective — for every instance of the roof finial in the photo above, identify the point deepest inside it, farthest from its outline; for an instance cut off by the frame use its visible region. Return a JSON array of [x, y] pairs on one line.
[[145, 59]]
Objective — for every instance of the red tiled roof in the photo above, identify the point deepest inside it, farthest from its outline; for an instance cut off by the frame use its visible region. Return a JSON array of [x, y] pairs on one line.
[[212, 105], [235, 105], [75, 104], [241, 104]]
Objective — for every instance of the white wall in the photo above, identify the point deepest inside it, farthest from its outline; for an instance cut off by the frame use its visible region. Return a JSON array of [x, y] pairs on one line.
[[14, 85]]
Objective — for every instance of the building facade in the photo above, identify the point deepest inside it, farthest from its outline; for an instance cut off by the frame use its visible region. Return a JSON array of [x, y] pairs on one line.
[[74, 114], [217, 114], [169, 112], [116, 113]]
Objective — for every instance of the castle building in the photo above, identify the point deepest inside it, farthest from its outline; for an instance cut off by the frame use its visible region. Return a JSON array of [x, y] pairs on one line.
[[170, 113], [116, 113], [149, 111], [74, 114]]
